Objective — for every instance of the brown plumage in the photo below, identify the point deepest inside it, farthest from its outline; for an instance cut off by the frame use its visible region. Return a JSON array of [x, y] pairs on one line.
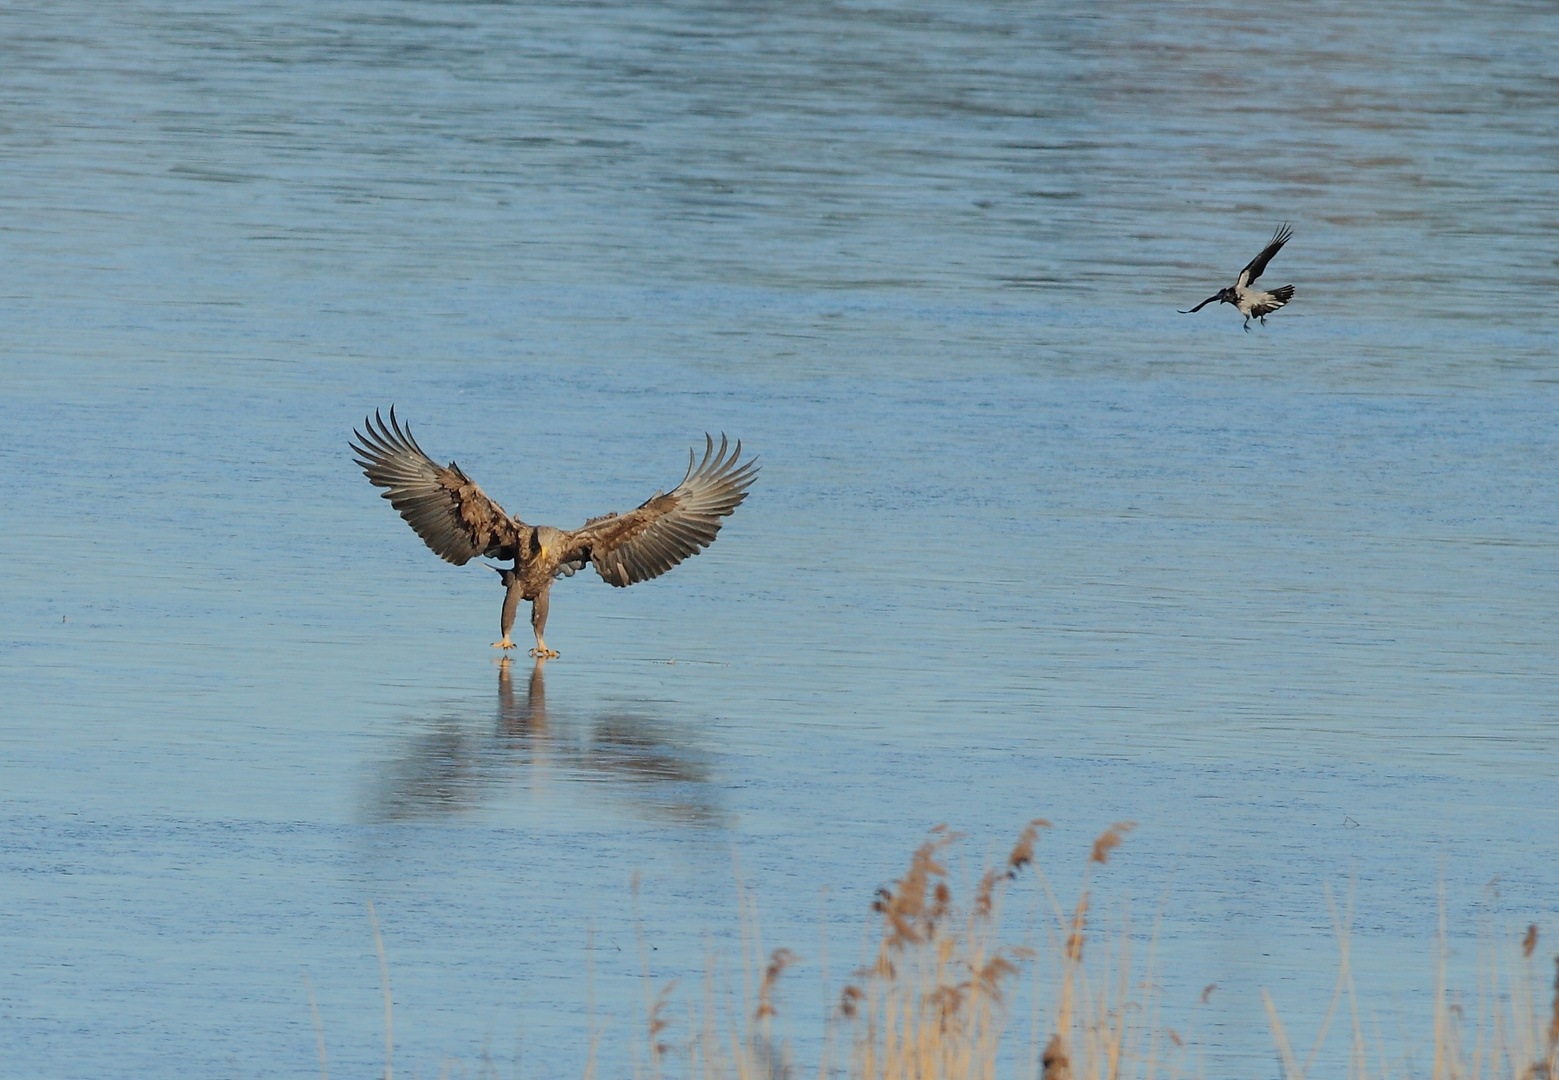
[[459, 522]]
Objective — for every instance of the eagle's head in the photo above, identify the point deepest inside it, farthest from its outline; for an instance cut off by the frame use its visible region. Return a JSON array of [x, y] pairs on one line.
[[545, 541]]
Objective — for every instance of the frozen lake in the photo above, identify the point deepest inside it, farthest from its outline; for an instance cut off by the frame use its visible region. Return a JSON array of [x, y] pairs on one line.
[[1026, 541]]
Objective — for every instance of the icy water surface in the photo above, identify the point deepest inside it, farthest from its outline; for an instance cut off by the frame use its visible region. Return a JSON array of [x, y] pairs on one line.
[[1026, 541]]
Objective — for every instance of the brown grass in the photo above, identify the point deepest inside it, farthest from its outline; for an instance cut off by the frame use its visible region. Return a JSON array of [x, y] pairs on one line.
[[935, 994], [1504, 1041], [934, 999]]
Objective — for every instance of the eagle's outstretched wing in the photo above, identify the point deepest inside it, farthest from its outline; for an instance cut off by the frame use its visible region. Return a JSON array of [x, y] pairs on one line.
[[453, 516], [1254, 268], [644, 543]]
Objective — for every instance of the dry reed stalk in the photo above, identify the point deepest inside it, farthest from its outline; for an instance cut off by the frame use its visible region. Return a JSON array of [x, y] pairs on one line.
[[1553, 1027], [319, 1026], [779, 960], [1441, 1016], [933, 1003], [1508, 1041], [730, 1039], [384, 982], [1098, 1027], [595, 1031], [655, 1001]]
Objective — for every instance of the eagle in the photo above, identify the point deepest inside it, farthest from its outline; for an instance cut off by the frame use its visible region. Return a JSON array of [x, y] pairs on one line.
[[1254, 303], [458, 520]]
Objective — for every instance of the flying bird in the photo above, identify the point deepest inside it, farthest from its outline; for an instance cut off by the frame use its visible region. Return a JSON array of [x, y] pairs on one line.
[[459, 522], [1253, 303]]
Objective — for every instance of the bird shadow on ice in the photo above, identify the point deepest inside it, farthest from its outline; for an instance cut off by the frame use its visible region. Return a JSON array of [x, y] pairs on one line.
[[619, 759]]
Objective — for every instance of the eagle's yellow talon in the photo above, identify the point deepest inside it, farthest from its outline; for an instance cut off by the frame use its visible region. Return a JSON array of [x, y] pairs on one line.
[[504, 644]]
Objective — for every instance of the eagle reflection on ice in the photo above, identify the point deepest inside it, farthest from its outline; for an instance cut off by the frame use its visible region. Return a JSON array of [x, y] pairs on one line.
[[618, 759]]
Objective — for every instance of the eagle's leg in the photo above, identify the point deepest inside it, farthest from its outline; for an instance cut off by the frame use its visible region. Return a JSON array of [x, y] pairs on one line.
[[538, 623], [511, 604]]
